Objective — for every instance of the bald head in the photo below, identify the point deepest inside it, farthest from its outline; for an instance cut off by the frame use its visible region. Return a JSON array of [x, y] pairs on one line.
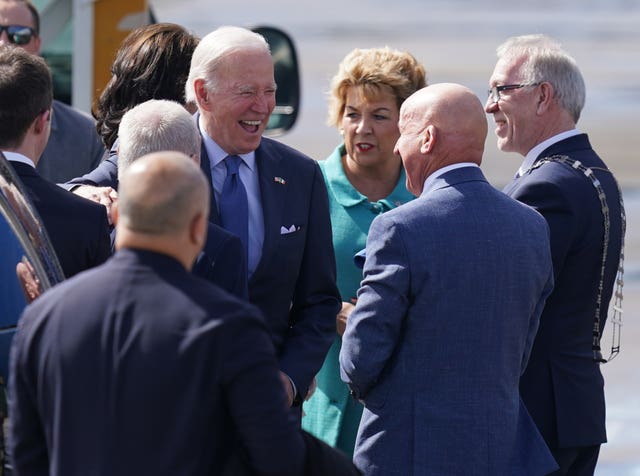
[[161, 196], [440, 125]]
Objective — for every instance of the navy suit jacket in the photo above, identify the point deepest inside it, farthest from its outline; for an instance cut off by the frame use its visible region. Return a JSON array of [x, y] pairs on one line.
[[454, 284], [295, 282], [139, 367], [222, 260], [563, 387], [78, 228]]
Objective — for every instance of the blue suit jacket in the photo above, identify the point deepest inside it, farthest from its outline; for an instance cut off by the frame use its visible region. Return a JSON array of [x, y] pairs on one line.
[[138, 367], [454, 284], [295, 282], [562, 386]]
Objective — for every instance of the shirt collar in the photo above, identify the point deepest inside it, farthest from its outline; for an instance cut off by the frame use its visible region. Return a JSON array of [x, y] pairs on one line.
[[533, 154], [431, 178], [347, 195], [216, 154], [15, 157]]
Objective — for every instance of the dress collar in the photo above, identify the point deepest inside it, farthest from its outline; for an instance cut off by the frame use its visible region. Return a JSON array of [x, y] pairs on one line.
[[346, 194]]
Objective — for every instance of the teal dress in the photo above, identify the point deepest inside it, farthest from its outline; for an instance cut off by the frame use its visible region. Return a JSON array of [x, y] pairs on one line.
[[331, 414]]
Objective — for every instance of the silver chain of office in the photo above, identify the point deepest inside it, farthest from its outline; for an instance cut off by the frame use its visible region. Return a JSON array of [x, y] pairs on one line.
[[616, 318]]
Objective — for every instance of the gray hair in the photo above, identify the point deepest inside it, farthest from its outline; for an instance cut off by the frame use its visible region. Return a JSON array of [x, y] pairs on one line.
[[215, 47], [153, 126], [161, 193], [546, 61]]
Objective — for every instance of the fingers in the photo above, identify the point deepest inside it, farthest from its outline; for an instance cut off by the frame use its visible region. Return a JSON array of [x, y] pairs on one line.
[[106, 196], [28, 280]]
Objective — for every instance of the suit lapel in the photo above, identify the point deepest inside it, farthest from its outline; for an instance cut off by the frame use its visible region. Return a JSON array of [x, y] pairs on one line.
[[205, 166], [273, 193]]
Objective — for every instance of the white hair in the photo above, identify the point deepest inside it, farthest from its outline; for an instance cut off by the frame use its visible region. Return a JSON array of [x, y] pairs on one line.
[[215, 47], [153, 126]]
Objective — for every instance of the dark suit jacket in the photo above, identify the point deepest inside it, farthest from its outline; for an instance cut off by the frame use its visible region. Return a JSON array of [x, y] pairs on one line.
[[104, 175], [138, 367], [78, 228], [222, 260], [295, 282], [454, 284], [562, 386]]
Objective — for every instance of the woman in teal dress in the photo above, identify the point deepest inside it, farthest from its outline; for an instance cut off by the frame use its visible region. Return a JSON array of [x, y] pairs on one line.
[[364, 178]]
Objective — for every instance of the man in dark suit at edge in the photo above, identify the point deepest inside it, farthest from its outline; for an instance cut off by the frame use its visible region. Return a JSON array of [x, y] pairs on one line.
[[536, 96], [77, 227]]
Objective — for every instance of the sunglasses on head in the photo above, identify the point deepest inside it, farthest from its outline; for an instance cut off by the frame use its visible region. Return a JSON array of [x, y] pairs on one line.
[[18, 34]]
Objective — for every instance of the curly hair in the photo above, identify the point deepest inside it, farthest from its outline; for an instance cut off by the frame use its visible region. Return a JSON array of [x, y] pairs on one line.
[[152, 63], [375, 70]]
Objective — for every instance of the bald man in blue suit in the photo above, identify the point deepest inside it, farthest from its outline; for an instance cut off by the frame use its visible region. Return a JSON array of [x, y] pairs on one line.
[[454, 284]]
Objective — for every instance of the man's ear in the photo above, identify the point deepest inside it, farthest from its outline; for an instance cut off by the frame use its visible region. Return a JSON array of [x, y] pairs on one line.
[[428, 139], [40, 123], [545, 96], [202, 94], [114, 213], [198, 230]]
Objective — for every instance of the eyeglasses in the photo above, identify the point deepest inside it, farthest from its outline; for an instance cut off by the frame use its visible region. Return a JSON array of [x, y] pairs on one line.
[[18, 34], [494, 92]]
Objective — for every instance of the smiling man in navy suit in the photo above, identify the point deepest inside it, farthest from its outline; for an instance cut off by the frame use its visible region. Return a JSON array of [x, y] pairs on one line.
[[536, 96], [285, 221]]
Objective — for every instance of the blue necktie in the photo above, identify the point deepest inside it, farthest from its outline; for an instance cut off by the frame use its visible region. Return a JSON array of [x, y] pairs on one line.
[[234, 208]]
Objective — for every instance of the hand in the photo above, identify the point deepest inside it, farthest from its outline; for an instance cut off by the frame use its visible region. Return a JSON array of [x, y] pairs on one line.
[[288, 387], [343, 316], [103, 195], [28, 280]]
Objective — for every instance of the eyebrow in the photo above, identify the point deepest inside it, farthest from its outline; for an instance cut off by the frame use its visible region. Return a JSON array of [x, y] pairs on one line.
[[379, 109]]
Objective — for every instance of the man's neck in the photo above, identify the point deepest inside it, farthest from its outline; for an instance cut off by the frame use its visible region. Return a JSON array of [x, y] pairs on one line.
[[25, 151]]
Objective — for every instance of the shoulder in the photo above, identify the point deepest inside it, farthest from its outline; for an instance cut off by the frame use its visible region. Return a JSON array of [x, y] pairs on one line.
[[272, 148], [66, 114]]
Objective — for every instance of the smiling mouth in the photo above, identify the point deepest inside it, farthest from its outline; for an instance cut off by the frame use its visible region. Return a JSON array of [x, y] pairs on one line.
[[364, 147], [251, 126]]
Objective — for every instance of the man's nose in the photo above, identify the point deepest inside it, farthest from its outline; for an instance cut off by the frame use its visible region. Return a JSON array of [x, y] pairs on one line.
[[490, 106]]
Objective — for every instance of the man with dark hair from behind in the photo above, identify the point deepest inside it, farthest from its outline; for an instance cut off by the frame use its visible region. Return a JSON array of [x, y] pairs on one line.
[[77, 227]]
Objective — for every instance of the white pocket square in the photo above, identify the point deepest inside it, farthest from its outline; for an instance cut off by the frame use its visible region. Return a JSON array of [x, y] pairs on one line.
[[292, 229]]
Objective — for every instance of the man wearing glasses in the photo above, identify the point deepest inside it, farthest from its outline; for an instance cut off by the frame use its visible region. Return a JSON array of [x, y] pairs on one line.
[[74, 147], [536, 96]]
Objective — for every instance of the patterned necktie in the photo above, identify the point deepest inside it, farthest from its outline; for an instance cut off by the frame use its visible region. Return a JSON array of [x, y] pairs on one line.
[[234, 208]]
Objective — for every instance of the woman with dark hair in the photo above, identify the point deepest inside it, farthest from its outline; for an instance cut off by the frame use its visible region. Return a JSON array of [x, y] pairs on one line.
[[152, 63]]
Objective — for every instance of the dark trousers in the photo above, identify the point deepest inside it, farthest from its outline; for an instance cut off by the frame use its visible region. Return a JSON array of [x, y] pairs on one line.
[[321, 460], [579, 461]]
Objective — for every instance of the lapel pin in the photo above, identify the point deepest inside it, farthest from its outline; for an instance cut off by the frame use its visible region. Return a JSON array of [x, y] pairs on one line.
[[279, 180]]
